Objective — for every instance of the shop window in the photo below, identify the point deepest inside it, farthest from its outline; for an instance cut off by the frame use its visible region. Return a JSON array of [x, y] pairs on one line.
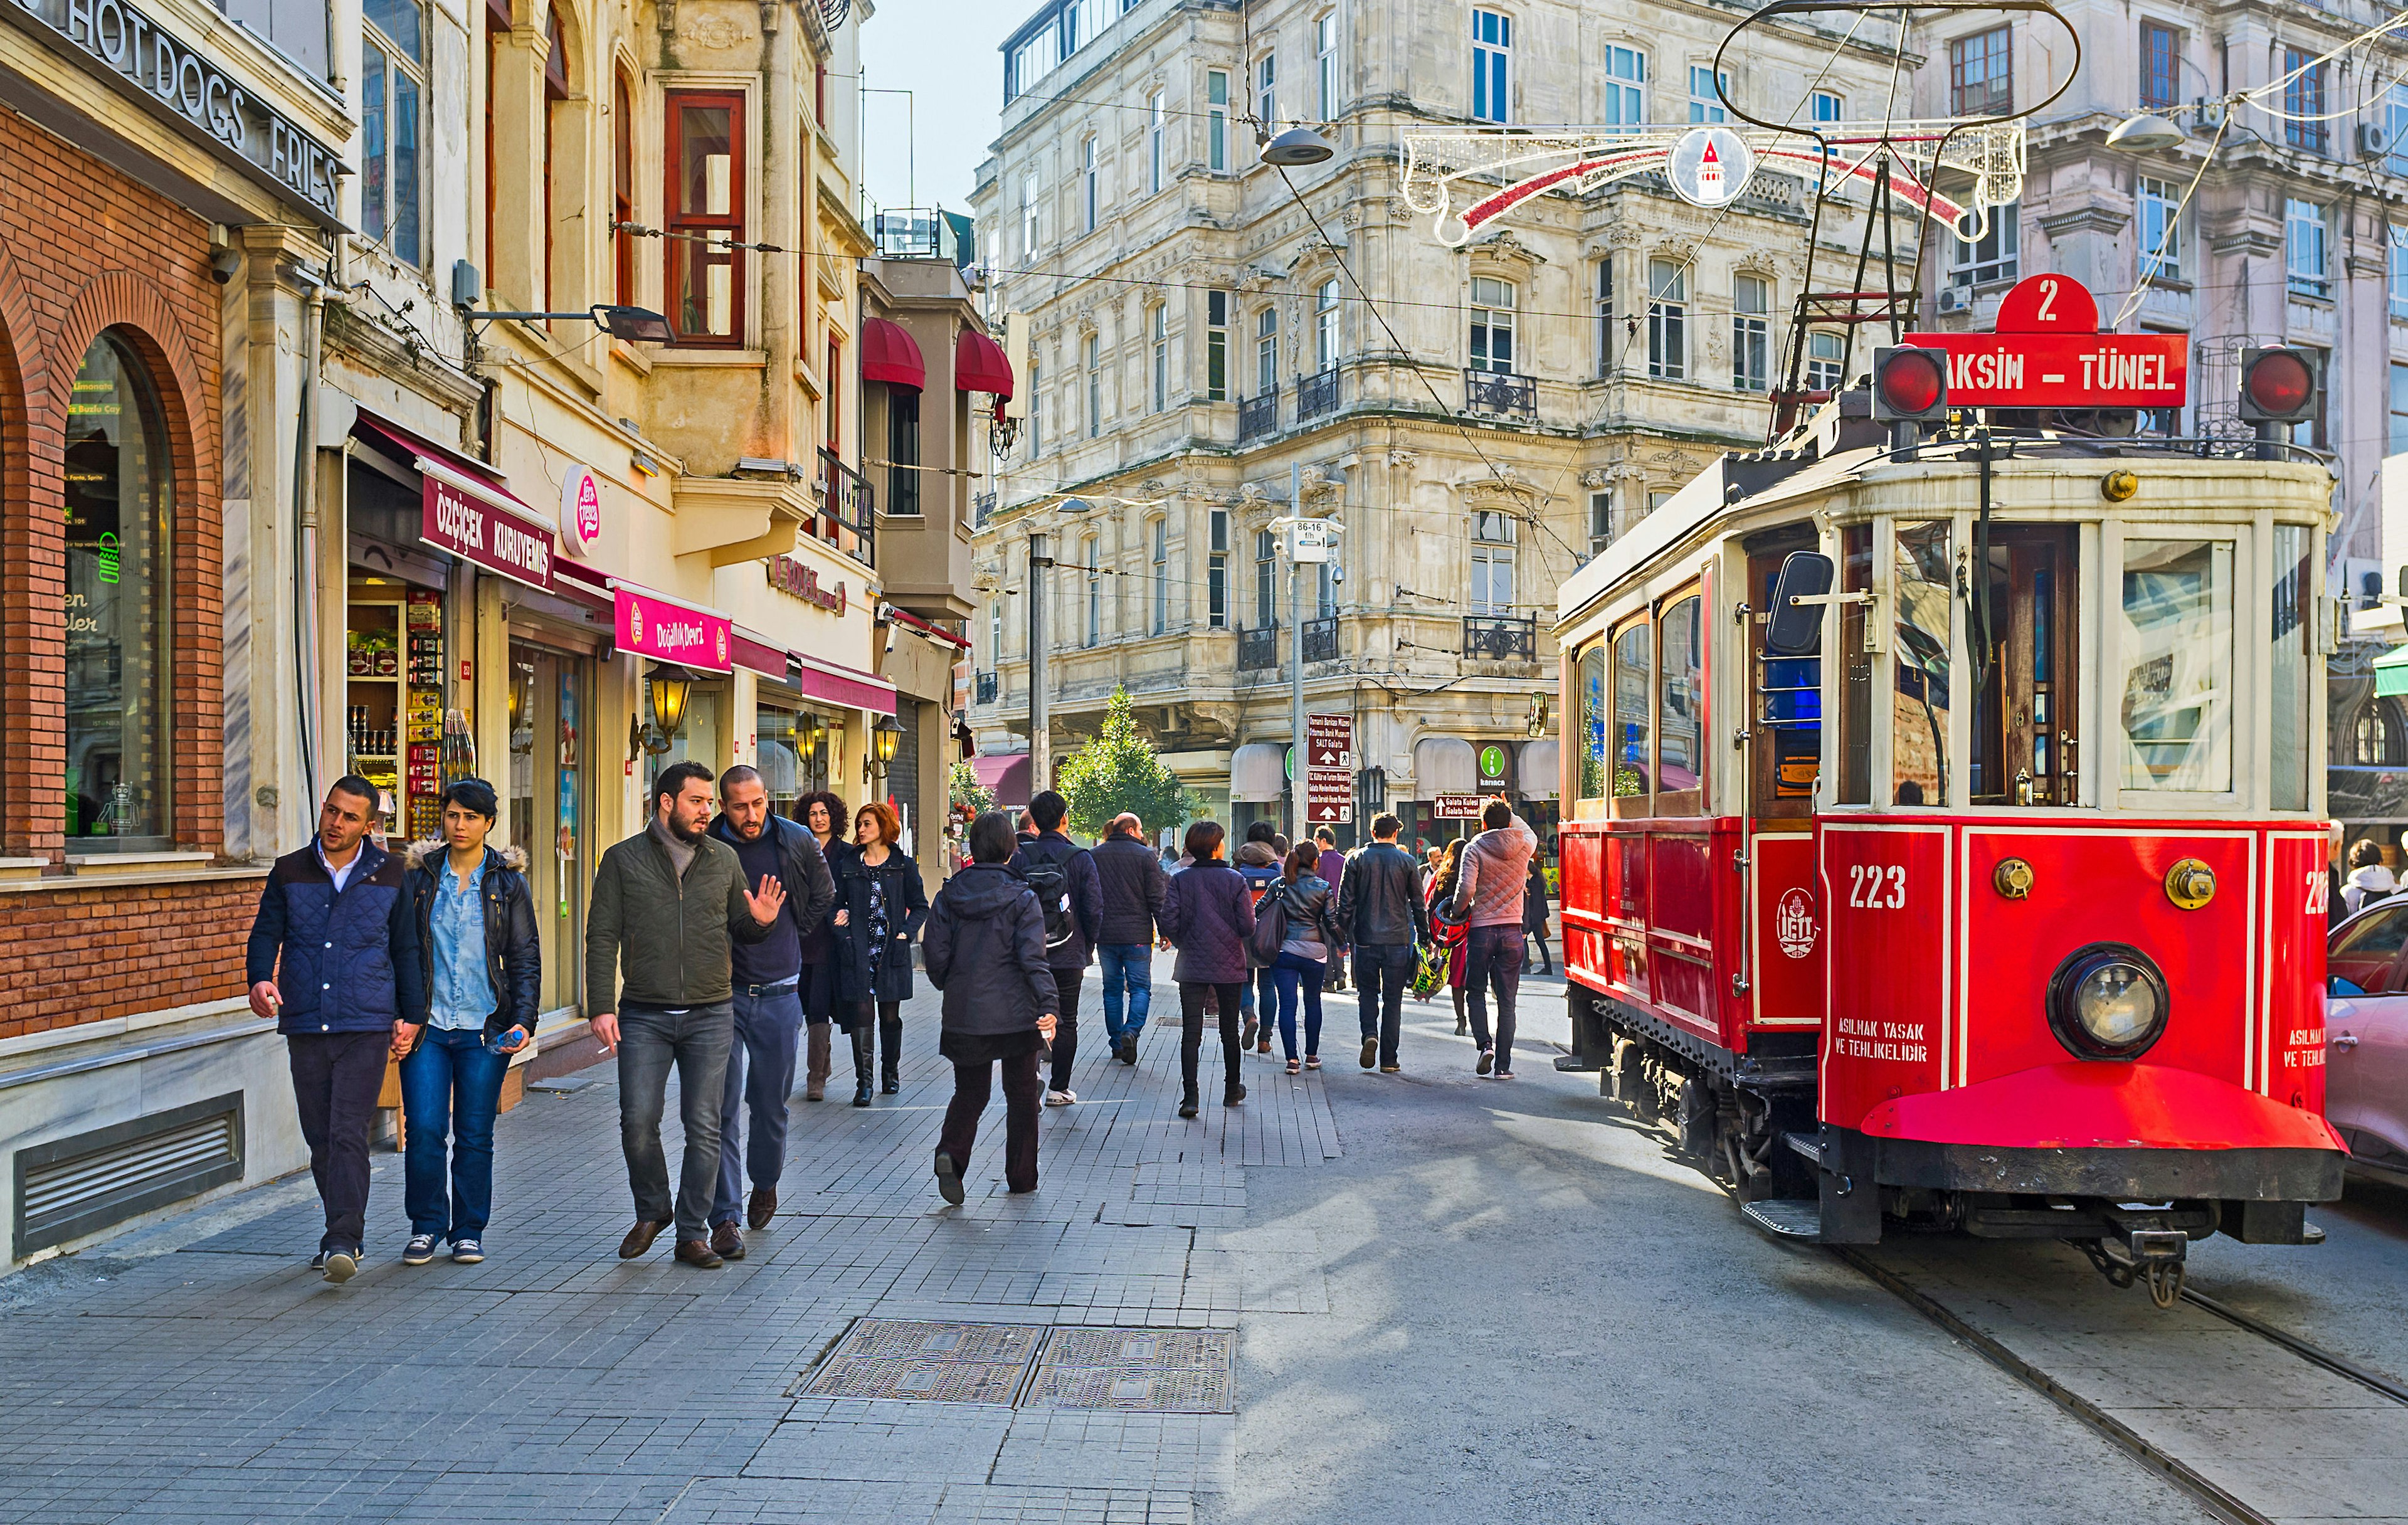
[[1681, 718], [1633, 755], [120, 500], [903, 450], [706, 207], [393, 82]]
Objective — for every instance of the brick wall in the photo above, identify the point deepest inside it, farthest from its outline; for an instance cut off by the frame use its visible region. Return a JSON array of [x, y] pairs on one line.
[[89, 954]]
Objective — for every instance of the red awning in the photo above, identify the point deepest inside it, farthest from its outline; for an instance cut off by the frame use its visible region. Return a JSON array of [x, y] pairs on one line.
[[1006, 776], [888, 354], [978, 365]]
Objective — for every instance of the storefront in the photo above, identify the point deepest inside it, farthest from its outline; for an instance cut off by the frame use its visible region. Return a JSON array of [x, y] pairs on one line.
[[1460, 768]]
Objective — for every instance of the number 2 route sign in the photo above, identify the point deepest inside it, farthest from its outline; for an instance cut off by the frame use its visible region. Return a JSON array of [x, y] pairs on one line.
[[2048, 352]]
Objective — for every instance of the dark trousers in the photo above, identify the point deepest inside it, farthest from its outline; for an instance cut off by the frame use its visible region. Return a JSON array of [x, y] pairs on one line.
[[1538, 936], [336, 1077], [1190, 1031], [1066, 1032], [1493, 955], [451, 1089], [651, 1041], [972, 1085], [867, 1038], [760, 1077], [1381, 972]]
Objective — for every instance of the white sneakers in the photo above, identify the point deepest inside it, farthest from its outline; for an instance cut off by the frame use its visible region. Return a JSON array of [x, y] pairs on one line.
[[1060, 1099]]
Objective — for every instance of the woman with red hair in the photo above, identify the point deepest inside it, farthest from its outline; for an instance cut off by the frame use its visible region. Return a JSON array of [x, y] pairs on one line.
[[879, 909]]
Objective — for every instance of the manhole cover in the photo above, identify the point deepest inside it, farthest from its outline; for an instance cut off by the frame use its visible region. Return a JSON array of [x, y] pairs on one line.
[[927, 1360], [1137, 1370]]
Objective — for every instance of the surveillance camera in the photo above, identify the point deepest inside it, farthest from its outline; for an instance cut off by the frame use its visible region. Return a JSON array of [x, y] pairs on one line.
[[1338, 574]]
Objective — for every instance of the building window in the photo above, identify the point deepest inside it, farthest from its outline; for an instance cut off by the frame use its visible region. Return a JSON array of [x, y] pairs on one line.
[[1036, 410], [2307, 262], [1626, 88], [1324, 325], [1982, 74], [1267, 92], [2303, 102], [2396, 268], [1156, 120], [1492, 324], [1216, 346], [706, 198], [1217, 127], [555, 92], [834, 404], [1087, 181], [2378, 740], [1492, 52], [1216, 573], [1990, 257], [1668, 319], [1600, 520], [2395, 129], [1161, 326], [1325, 67], [993, 633], [1266, 351], [1827, 361], [119, 502], [1751, 334], [1161, 575], [1827, 106], [1492, 563], [903, 448], [1028, 215], [1091, 352], [1266, 580], [1094, 595], [2399, 441], [1707, 95], [1605, 335], [2160, 253], [393, 81], [622, 192], [2160, 65]]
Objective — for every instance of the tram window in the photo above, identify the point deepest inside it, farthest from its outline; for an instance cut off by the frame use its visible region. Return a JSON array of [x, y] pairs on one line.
[[2177, 655], [1788, 719], [1595, 775], [2024, 751], [1918, 736], [1855, 671], [1634, 683], [2287, 671], [1680, 745]]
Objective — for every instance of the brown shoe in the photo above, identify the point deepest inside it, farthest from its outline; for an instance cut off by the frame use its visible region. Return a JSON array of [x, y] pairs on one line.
[[693, 1252], [639, 1238], [761, 1207], [727, 1242]]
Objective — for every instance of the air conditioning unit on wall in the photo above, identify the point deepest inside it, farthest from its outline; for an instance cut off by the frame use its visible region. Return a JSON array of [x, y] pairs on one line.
[[2372, 142], [1956, 299]]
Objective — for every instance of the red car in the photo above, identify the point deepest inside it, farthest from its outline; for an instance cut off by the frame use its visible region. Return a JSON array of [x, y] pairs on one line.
[[2366, 1037]]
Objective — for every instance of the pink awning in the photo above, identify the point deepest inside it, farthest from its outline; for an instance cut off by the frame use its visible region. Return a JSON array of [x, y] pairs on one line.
[[840, 685], [978, 365], [1005, 776], [889, 354]]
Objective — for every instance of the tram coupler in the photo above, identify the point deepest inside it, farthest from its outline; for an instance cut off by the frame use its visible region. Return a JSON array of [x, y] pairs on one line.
[[2143, 1247]]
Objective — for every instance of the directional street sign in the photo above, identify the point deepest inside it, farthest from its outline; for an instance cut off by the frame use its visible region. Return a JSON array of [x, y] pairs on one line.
[[1328, 795], [1459, 807], [1330, 740], [2048, 352]]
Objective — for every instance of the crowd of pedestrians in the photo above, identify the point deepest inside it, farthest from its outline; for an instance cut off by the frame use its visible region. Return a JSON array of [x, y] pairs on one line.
[[727, 943]]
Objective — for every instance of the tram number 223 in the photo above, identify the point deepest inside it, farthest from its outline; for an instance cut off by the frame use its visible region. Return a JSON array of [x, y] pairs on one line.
[[1877, 887]]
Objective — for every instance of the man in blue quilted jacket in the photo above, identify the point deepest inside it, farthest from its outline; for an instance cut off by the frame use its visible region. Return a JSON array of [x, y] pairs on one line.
[[333, 958]]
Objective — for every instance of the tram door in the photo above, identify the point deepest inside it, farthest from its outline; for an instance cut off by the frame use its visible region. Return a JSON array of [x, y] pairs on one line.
[[1784, 977], [2024, 750]]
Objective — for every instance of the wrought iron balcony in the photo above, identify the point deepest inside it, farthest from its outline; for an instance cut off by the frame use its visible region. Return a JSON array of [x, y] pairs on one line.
[[1257, 416], [1320, 640], [1500, 392], [1258, 648], [1501, 638], [989, 685], [848, 516], [1316, 394]]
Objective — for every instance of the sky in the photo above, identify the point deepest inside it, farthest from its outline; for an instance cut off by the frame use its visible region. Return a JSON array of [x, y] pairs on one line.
[[944, 52]]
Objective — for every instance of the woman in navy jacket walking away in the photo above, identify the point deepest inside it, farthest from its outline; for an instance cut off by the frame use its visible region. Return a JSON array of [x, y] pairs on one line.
[[985, 950], [1208, 911]]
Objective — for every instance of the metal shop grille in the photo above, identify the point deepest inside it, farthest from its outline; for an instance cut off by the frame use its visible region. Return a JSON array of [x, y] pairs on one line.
[[73, 1187], [1030, 1366]]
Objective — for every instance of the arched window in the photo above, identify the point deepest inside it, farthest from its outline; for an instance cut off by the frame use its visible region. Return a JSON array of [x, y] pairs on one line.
[[2378, 740], [120, 500]]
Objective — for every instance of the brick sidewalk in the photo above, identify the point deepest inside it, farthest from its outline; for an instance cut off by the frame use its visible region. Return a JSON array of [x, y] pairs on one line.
[[556, 1383]]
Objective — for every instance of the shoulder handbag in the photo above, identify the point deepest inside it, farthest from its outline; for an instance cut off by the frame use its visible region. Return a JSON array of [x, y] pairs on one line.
[[1270, 930]]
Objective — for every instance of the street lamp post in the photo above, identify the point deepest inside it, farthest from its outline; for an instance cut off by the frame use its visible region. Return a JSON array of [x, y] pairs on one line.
[[1298, 787], [1041, 741]]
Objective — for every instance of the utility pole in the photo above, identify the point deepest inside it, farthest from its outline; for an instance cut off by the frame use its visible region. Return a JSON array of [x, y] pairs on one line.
[[1041, 748], [1300, 769]]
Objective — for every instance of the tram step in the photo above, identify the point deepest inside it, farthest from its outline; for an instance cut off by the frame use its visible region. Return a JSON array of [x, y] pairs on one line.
[[1786, 1218], [1580, 1062], [1809, 1145]]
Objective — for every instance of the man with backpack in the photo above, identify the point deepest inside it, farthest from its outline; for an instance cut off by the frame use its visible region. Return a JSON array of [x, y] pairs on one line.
[[1070, 895]]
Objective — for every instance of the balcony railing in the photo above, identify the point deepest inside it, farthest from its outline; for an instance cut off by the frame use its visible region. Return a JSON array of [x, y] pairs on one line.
[[1497, 392], [848, 516], [1320, 640], [1501, 638], [1257, 416], [1316, 394], [1258, 648], [982, 508], [989, 685], [917, 233]]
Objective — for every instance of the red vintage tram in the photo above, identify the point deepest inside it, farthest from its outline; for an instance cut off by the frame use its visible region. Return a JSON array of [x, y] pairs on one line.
[[1943, 839]]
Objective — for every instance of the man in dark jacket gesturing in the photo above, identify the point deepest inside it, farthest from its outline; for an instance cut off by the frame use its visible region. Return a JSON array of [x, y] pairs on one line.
[[767, 1001], [669, 900], [1379, 914], [338, 929], [1063, 874], [1130, 875]]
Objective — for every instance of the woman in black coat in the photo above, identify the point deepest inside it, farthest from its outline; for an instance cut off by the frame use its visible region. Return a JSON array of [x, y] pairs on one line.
[[880, 907], [822, 813], [1207, 912]]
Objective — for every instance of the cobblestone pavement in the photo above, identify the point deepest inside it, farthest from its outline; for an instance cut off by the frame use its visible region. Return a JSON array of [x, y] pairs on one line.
[[1447, 1299]]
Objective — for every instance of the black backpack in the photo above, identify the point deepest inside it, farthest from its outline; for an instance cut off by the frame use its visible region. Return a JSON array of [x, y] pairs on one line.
[[1050, 878]]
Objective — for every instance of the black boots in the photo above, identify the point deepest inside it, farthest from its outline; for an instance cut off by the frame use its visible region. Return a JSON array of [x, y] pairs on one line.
[[864, 1059], [890, 1030]]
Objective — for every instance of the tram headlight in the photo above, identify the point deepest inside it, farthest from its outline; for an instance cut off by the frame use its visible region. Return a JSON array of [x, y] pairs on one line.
[[2108, 1000]]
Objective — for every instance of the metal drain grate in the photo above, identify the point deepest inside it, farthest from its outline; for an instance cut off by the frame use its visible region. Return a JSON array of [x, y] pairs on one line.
[[1137, 1371], [929, 1360]]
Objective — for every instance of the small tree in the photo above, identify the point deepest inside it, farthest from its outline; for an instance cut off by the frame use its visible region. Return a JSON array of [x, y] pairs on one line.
[[966, 794], [1118, 771]]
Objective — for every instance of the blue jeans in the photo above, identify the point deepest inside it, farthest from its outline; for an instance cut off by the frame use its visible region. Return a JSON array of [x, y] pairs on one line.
[[1295, 973], [1129, 966], [1493, 955], [760, 1078], [1381, 972], [451, 1089]]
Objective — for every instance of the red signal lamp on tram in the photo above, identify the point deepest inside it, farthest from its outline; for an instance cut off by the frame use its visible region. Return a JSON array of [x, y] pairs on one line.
[[2277, 386], [1911, 385]]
